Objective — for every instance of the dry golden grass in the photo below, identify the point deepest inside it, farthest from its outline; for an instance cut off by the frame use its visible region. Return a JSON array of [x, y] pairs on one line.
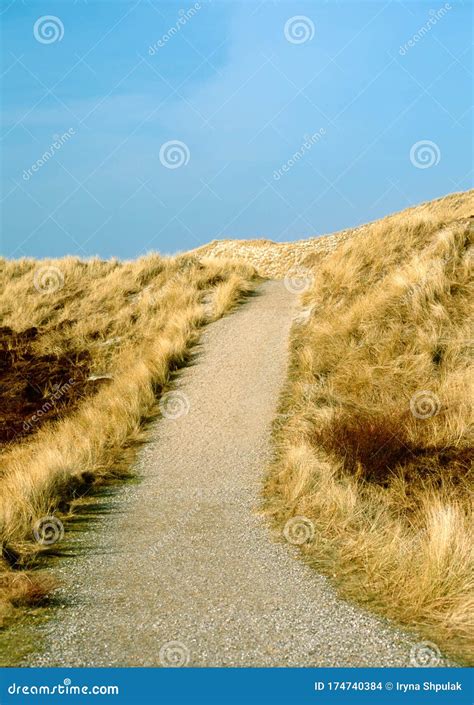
[[388, 492], [136, 321], [277, 260], [374, 436]]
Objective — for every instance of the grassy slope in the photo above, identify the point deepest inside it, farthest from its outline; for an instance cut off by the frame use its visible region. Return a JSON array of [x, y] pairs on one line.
[[277, 260], [133, 321], [374, 437], [387, 491]]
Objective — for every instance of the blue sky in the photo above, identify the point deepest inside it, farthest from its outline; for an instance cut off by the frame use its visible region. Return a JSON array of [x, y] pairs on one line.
[[240, 87]]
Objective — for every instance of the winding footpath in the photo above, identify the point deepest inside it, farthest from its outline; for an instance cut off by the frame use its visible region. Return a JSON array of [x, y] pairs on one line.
[[180, 569]]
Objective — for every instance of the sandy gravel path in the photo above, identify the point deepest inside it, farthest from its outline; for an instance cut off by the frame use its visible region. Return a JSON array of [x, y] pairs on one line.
[[182, 556]]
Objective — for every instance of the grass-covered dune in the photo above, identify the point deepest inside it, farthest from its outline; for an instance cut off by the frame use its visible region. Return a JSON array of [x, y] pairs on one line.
[[373, 443], [87, 348]]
